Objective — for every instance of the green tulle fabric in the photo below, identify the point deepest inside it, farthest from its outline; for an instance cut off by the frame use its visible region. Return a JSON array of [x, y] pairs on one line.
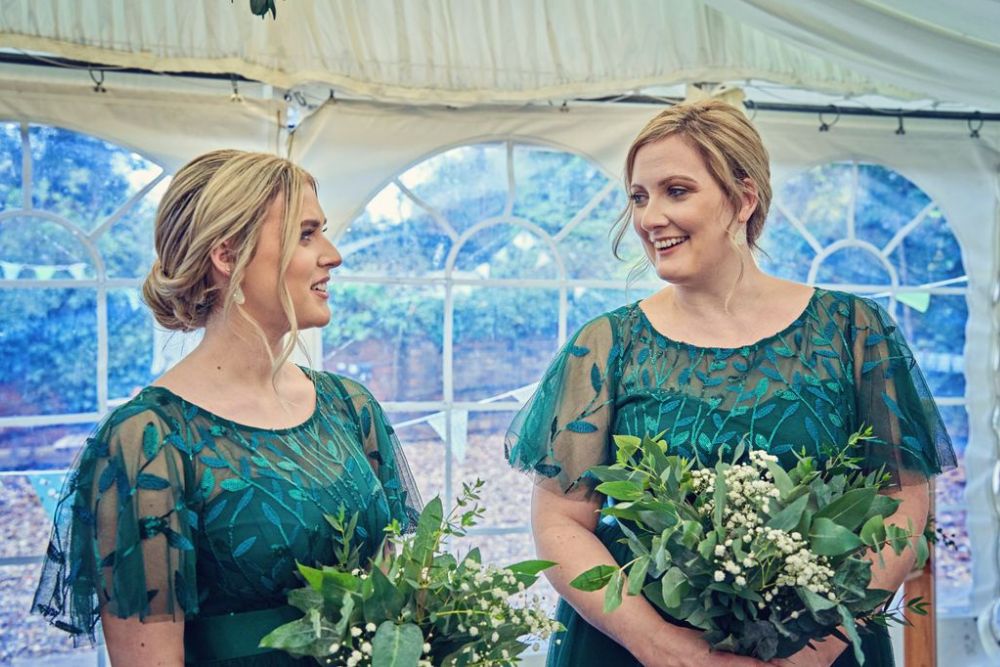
[[174, 513], [840, 365]]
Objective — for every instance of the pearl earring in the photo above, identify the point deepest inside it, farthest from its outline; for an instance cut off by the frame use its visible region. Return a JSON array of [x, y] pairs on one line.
[[238, 298]]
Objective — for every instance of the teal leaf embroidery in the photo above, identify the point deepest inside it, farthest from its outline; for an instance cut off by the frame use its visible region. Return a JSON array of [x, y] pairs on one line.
[[580, 426], [366, 421], [595, 378], [234, 484], [178, 541], [270, 514], [244, 546], [207, 483], [151, 482], [892, 405], [216, 510], [150, 441]]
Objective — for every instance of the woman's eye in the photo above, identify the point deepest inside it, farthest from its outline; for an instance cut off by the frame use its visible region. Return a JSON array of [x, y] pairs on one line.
[[638, 198], [676, 192]]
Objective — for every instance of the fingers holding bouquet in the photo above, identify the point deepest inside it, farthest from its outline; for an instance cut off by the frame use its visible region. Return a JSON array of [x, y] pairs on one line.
[[764, 561]]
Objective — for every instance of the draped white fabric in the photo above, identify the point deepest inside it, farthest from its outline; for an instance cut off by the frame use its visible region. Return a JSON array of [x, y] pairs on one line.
[[460, 53], [948, 51], [168, 128]]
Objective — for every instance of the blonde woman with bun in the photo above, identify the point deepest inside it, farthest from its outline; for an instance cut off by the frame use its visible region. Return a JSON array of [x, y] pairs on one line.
[[181, 525], [722, 354]]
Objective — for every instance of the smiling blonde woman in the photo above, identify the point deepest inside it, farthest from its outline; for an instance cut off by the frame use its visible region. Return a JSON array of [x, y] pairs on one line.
[[722, 354], [180, 528]]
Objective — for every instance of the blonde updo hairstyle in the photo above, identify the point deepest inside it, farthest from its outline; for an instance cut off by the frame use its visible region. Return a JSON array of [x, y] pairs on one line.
[[728, 143], [221, 197]]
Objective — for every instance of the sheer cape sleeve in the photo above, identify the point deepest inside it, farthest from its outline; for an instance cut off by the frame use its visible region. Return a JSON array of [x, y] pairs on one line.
[[386, 456], [893, 398], [565, 427], [123, 536]]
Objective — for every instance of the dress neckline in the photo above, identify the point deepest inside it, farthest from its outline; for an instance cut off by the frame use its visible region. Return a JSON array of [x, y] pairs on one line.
[[248, 427], [757, 343]]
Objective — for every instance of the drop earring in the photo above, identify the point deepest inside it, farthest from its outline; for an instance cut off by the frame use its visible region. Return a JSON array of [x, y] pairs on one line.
[[238, 297]]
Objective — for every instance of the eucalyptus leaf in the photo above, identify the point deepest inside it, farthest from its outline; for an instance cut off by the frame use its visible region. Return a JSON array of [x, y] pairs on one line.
[[595, 578], [613, 592], [621, 490], [873, 532], [397, 645], [826, 538], [788, 518], [637, 575], [674, 586], [531, 567], [850, 509]]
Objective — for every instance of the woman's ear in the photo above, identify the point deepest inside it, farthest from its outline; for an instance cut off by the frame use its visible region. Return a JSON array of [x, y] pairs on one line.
[[222, 259], [749, 199]]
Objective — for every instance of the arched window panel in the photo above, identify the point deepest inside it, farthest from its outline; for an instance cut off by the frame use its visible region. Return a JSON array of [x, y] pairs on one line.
[[48, 447], [786, 252], [499, 344], [508, 251], [818, 202], [478, 451], [130, 344], [27, 503], [395, 236], [934, 326], [49, 348], [464, 185], [423, 435], [551, 185], [586, 241], [388, 337], [951, 484], [82, 178], [126, 242], [586, 303], [853, 265], [29, 639], [885, 202], [929, 253], [36, 246], [953, 565], [11, 161]]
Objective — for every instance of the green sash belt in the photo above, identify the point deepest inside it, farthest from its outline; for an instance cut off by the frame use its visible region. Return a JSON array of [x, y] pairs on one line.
[[216, 639]]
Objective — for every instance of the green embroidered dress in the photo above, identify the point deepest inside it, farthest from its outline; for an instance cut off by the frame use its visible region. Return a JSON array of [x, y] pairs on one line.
[[173, 513], [842, 363]]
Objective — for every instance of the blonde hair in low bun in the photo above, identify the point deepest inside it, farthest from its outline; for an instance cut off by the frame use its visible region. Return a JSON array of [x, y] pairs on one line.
[[221, 197]]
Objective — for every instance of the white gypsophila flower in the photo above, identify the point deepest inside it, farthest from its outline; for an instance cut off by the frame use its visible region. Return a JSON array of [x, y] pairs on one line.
[[720, 550], [741, 581], [355, 632], [334, 647], [426, 647], [370, 627], [720, 575], [366, 648]]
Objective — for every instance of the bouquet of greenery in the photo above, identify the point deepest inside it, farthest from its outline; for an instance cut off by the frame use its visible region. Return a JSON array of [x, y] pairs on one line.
[[762, 559], [416, 605]]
